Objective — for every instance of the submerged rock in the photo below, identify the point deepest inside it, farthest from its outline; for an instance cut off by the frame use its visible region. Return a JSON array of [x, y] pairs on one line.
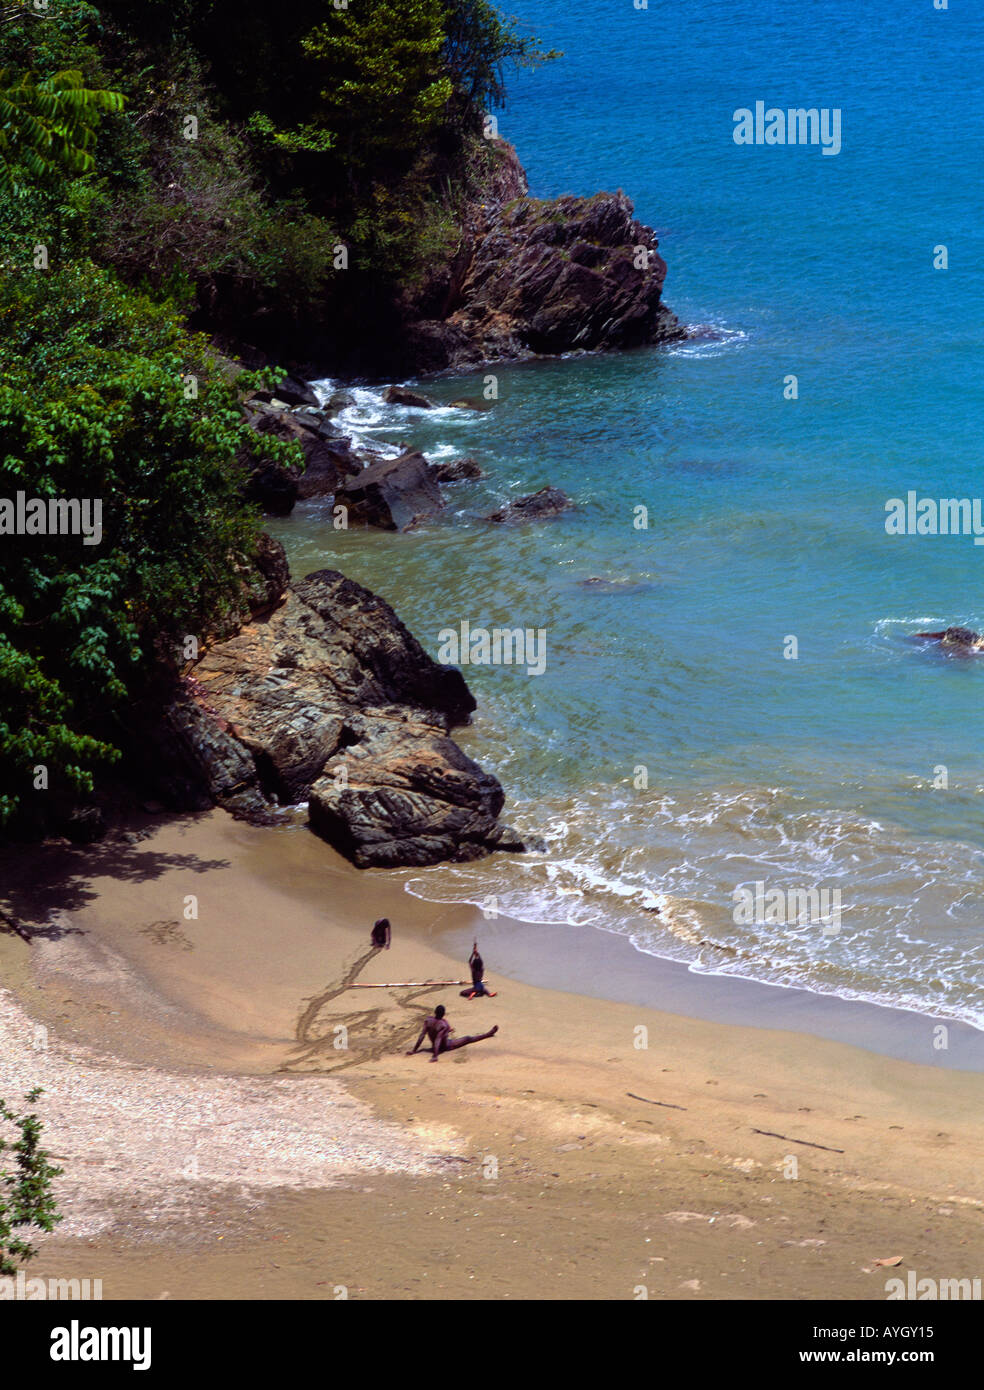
[[455, 470], [959, 640], [400, 395], [332, 701], [539, 506], [599, 584]]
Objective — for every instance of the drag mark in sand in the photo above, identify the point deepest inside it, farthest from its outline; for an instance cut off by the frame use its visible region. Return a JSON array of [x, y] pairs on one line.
[[375, 1035]]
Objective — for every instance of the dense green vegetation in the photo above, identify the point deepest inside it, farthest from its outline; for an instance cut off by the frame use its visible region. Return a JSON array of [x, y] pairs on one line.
[[96, 402], [176, 174]]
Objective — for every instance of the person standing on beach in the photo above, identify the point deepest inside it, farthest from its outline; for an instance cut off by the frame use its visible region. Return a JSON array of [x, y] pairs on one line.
[[381, 934], [438, 1030], [478, 985]]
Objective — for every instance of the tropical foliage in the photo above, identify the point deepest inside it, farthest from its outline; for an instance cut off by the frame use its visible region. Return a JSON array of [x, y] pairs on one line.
[[171, 173]]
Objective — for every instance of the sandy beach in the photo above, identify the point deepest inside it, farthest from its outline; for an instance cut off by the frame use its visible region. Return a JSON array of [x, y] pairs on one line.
[[237, 1120]]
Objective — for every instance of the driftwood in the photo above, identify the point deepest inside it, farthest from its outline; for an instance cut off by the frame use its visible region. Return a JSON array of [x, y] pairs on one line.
[[808, 1142], [408, 984], [665, 1103]]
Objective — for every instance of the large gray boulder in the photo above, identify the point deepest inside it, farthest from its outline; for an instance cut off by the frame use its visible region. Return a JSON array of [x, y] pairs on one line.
[[392, 494], [331, 700]]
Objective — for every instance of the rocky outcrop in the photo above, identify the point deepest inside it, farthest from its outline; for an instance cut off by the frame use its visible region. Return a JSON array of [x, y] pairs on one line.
[[337, 402], [539, 506], [330, 464], [409, 796], [547, 277], [189, 759], [393, 494], [332, 701], [329, 459]]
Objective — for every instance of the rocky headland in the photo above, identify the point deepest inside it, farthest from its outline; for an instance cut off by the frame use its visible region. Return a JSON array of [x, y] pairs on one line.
[[536, 277], [316, 693]]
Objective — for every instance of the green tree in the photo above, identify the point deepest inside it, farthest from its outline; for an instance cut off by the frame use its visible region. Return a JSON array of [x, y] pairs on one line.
[[385, 86], [26, 1193], [48, 126], [479, 43], [95, 403]]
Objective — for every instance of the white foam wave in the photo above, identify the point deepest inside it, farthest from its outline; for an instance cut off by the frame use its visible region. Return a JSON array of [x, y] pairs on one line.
[[911, 916]]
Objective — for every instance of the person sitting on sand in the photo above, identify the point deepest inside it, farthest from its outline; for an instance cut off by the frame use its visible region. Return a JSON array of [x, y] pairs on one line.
[[438, 1030], [478, 986], [381, 934]]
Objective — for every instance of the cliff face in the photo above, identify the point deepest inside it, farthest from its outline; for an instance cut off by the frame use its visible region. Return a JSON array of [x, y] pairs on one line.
[[544, 277], [330, 700]]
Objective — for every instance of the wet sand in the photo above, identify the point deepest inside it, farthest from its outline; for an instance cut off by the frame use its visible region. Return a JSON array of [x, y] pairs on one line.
[[595, 1148]]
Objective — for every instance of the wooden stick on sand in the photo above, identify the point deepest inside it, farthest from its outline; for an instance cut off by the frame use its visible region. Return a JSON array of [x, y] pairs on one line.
[[407, 984]]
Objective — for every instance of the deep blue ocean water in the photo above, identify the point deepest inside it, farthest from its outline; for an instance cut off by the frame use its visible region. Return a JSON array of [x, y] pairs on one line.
[[859, 765]]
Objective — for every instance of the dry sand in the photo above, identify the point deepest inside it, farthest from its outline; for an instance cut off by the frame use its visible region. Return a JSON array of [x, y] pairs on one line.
[[235, 1121]]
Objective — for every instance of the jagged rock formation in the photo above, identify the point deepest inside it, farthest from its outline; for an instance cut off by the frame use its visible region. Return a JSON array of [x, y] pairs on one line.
[[331, 700], [546, 277]]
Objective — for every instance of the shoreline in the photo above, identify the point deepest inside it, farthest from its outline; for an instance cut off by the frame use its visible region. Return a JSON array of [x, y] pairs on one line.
[[596, 963], [585, 953], [564, 1148]]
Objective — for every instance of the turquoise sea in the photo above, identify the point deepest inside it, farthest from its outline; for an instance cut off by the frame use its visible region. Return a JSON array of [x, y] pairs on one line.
[[859, 765]]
